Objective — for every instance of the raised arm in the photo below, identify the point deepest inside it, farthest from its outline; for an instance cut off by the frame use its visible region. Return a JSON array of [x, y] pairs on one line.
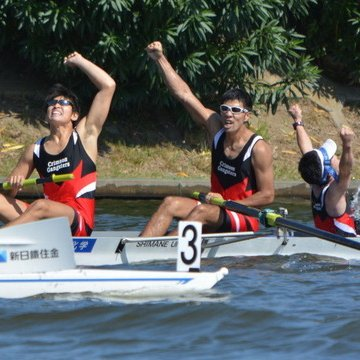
[[182, 92], [336, 200], [302, 138], [347, 157], [93, 122]]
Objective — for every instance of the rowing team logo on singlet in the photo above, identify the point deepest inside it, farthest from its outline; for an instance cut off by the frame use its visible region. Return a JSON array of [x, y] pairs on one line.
[[226, 169], [56, 166]]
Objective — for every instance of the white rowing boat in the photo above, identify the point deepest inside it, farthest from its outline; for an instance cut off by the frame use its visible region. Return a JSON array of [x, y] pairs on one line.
[[125, 247], [119, 283], [38, 259]]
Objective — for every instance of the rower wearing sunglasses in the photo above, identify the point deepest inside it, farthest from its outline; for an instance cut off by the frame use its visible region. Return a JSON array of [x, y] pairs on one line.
[[241, 160], [328, 177], [71, 147]]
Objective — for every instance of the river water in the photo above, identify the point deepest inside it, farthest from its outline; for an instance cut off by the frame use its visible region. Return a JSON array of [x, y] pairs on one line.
[[266, 308]]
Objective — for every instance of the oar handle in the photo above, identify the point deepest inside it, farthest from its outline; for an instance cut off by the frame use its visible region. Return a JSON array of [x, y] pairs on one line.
[[53, 178], [225, 203], [266, 216], [270, 218]]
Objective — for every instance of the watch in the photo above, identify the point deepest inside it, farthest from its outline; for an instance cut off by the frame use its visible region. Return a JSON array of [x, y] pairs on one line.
[[297, 123]]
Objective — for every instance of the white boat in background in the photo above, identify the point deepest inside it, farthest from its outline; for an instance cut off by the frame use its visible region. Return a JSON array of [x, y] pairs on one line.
[[125, 247], [38, 259]]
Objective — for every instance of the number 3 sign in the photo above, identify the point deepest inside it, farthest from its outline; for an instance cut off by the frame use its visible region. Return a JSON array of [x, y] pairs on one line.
[[189, 246]]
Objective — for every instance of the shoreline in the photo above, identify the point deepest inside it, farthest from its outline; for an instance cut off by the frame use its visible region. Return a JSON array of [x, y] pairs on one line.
[[159, 188]]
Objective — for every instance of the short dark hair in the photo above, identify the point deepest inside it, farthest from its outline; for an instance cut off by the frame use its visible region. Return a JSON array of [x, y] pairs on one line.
[[60, 90], [310, 168], [238, 94]]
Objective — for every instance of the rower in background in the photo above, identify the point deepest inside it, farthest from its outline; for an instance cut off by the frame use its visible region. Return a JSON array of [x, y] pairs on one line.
[[328, 177]]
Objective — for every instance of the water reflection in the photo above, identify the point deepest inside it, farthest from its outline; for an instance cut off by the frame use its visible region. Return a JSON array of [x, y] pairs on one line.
[[121, 214]]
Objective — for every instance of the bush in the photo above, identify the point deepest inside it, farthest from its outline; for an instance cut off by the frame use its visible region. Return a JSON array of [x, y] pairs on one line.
[[214, 44]]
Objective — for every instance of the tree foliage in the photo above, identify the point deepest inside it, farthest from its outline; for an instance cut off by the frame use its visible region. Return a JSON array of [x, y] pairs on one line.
[[333, 37], [214, 44]]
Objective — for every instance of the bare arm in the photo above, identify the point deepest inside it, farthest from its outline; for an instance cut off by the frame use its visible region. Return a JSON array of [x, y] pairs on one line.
[[263, 166], [91, 125], [22, 170], [303, 139], [336, 197], [182, 92]]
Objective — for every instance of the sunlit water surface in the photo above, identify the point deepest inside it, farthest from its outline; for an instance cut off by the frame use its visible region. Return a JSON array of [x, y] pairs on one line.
[[266, 308]]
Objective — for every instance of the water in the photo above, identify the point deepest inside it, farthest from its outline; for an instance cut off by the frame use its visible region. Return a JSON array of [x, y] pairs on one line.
[[266, 308]]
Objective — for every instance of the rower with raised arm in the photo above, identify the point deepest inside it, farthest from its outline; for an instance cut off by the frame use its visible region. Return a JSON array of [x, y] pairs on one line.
[[241, 160], [71, 147], [328, 177]]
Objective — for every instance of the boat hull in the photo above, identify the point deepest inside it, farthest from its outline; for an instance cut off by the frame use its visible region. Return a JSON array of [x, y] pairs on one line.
[[113, 248], [38, 259], [120, 283]]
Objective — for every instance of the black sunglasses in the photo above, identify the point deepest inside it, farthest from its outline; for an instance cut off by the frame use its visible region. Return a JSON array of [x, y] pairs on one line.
[[233, 109], [62, 102]]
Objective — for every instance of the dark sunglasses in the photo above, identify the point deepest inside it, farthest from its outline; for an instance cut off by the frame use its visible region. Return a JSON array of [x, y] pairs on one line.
[[233, 109], [62, 102]]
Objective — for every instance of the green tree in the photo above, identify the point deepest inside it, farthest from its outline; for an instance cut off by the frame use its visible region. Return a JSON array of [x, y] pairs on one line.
[[332, 32], [214, 44]]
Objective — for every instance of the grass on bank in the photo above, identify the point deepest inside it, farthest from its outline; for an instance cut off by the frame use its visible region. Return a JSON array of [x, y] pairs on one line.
[[157, 161], [154, 149], [117, 159]]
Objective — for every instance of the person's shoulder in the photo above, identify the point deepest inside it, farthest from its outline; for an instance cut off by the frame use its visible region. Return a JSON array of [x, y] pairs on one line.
[[213, 122], [80, 125], [261, 150], [260, 143], [340, 186], [211, 115]]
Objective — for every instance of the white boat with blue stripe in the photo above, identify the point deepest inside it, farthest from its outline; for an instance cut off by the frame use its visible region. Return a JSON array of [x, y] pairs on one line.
[[38, 259]]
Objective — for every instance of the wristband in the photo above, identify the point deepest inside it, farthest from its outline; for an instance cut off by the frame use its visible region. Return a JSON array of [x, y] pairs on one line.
[[297, 123]]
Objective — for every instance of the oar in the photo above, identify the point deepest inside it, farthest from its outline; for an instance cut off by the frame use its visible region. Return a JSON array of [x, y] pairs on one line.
[[53, 178], [273, 219]]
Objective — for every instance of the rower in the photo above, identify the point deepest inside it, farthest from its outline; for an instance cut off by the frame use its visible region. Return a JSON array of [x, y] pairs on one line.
[[328, 177]]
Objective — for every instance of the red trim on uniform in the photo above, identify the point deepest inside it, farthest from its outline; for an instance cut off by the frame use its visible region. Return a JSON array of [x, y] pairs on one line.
[[327, 224], [65, 193], [323, 221], [240, 222], [238, 191]]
